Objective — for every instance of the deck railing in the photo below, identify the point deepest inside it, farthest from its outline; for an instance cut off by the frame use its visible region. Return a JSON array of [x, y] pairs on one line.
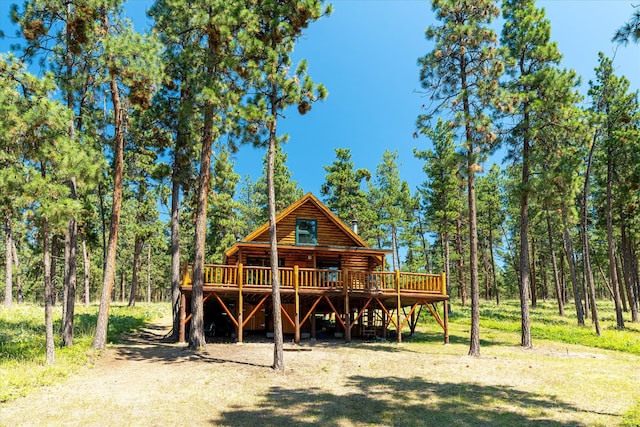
[[319, 279]]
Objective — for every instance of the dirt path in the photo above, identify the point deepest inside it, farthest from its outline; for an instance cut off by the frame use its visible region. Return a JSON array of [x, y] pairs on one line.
[[145, 382]]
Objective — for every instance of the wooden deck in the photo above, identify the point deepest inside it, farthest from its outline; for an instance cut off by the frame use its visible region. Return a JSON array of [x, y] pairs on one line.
[[360, 302]]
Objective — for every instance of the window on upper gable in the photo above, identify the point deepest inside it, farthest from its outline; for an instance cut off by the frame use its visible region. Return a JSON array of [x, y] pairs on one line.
[[306, 232]]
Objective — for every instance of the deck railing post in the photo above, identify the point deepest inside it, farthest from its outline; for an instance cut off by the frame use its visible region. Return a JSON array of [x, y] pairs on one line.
[[296, 317], [443, 283], [240, 302], [186, 277], [397, 277]]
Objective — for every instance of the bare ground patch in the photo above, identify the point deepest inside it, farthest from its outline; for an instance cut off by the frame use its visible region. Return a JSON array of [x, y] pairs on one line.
[[146, 382]]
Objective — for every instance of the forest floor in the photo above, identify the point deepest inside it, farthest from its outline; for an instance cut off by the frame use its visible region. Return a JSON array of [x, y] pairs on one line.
[[144, 381]]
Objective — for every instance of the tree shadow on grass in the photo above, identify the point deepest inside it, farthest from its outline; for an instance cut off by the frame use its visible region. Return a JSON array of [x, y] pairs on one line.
[[148, 343], [173, 353], [119, 328], [403, 402]]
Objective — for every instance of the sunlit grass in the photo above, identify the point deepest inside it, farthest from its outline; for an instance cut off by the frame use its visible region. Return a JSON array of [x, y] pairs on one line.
[[632, 417], [501, 325], [547, 324], [22, 342]]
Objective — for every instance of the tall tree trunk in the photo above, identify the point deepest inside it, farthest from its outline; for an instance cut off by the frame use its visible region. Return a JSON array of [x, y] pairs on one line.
[[635, 272], [70, 272], [474, 341], [462, 288], [513, 256], [49, 291], [474, 338], [623, 296], [103, 222], [523, 283], [534, 283], [545, 278], [554, 264], [627, 267], [53, 266], [447, 269], [8, 288], [572, 268], [493, 267], [611, 248], [16, 264], [563, 277], [100, 338], [278, 339], [48, 296], [87, 271], [427, 259], [137, 249], [586, 250], [196, 331], [148, 272], [487, 275], [175, 250], [122, 279], [71, 237]]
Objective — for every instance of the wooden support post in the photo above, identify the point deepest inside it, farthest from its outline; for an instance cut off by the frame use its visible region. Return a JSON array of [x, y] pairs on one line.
[[240, 303], [183, 317], [412, 324], [313, 324], [385, 323], [399, 307], [347, 313], [296, 315]]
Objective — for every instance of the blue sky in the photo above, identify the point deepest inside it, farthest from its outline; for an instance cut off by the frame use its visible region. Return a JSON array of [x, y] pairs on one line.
[[366, 55]]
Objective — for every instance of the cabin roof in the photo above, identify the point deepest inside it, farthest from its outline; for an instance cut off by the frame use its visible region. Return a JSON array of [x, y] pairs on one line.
[[358, 242]]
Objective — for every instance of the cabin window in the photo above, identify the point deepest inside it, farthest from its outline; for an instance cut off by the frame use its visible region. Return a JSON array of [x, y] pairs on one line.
[[333, 266], [306, 232]]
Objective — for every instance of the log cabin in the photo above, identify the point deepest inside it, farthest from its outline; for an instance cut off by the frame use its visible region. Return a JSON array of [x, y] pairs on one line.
[[332, 284]]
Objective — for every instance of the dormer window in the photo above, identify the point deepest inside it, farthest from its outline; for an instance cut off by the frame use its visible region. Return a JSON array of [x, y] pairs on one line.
[[306, 232]]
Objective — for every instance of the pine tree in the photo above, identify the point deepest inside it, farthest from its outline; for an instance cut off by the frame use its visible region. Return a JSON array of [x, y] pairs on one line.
[[441, 206], [248, 206], [131, 60], [460, 76], [280, 23], [208, 40], [286, 189], [615, 156], [530, 56], [139, 173], [176, 111], [342, 190], [560, 163], [392, 200], [491, 214], [11, 166], [73, 64], [224, 225], [40, 126]]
